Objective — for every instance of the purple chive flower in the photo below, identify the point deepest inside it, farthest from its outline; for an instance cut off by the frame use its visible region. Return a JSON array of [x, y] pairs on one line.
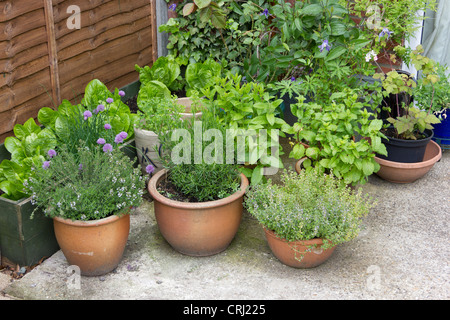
[[51, 153], [107, 147], [121, 93], [110, 100], [384, 32], [101, 141], [173, 6], [87, 114], [120, 137], [149, 169], [325, 45], [80, 167], [100, 108], [265, 12], [107, 126], [46, 165]]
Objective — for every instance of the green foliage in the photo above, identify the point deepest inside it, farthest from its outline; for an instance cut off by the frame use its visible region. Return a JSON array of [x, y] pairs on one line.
[[88, 185], [163, 77], [247, 107], [307, 206], [415, 121], [158, 113], [28, 148], [165, 70], [400, 17], [67, 121], [196, 164], [329, 131]]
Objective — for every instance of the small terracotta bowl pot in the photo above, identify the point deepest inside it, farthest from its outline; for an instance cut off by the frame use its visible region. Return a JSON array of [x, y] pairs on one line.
[[298, 254]]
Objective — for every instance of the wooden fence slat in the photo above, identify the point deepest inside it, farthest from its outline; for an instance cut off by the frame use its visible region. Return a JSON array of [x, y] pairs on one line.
[[52, 51]]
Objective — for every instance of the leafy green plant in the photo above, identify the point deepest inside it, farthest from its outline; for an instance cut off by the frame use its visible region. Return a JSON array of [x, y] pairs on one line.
[[208, 11], [411, 123], [163, 77], [90, 184], [330, 130], [195, 164], [307, 206], [158, 113], [28, 148], [247, 107], [165, 70], [389, 20], [104, 108]]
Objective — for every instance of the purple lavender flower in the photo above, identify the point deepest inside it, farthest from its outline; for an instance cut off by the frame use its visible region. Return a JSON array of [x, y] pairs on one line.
[[384, 32], [46, 165], [51, 153], [107, 126], [173, 6], [107, 147], [101, 141], [87, 114], [265, 12], [110, 100], [325, 45], [149, 169]]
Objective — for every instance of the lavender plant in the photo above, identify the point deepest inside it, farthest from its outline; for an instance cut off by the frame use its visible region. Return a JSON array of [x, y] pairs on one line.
[[307, 206]]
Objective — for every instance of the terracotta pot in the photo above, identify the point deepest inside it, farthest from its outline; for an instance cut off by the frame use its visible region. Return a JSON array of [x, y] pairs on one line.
[[187, 103], [197, 229], [97, 246], [400, 172], [298, 254]]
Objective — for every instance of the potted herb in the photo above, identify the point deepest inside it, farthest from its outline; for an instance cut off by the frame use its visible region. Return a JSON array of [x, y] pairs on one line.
[[198, 196], [88, 194], [410, 151], [307, 215], [155, 115], [325, 137], [249, 108], [26, 241]]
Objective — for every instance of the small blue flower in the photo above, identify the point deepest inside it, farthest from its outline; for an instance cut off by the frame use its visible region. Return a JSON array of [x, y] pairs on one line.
[[292, 79], [265, 12], [173, 6], [325, 45], [384, 32]]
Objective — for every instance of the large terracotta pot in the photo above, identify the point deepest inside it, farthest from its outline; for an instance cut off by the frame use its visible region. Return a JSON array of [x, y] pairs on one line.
[[97, 246], [399, 172], [197, 229], [298, 254]]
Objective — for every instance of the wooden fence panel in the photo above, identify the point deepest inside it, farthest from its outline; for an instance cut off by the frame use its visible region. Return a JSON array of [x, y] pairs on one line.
[[43, 61]]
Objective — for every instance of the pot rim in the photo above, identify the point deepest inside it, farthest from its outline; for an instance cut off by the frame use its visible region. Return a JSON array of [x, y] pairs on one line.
[[91, 223], [314, 241], [429, 132], [152, 184], [412, 165]]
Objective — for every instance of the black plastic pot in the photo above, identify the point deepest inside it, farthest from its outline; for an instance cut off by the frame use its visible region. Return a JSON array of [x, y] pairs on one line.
[[406, 151]]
